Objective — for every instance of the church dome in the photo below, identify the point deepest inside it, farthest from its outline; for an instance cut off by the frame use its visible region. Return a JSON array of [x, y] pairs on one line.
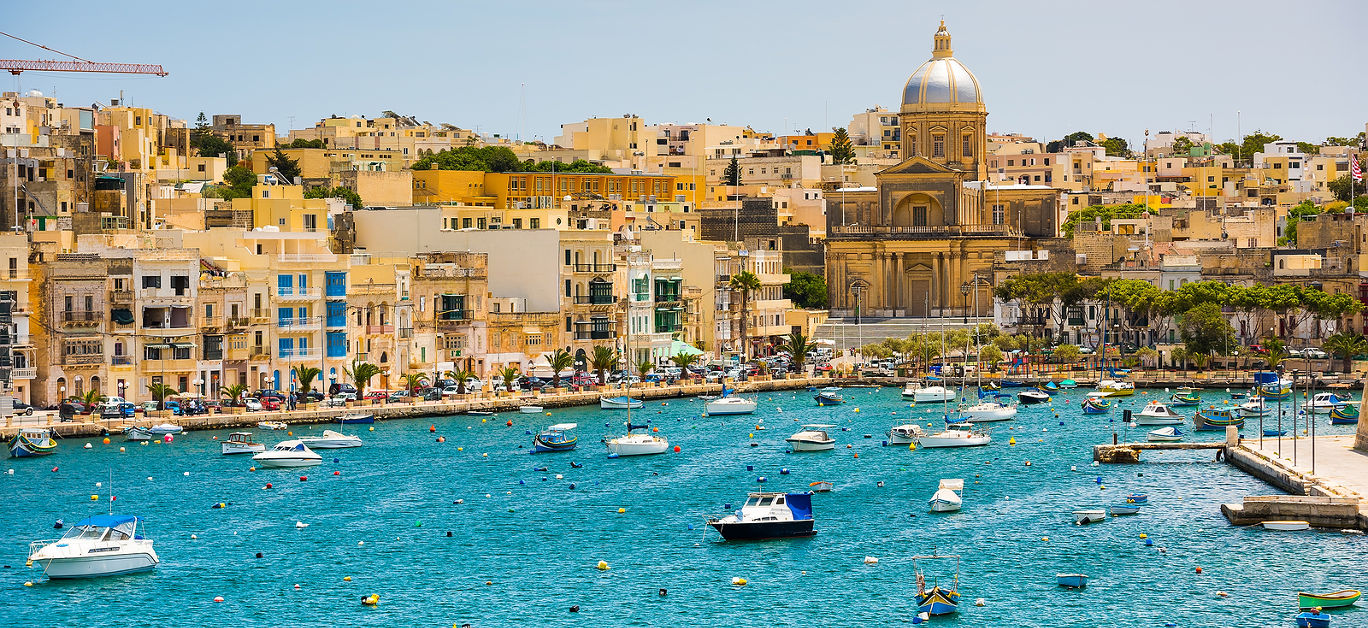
[[942, 80]]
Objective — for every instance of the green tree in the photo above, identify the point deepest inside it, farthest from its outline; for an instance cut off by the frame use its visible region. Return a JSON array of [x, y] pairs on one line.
[[732, 174], [1345, 345], [1068, 354], [684, 360], [602, 360], [303, 143], [1275, 356], [1205, 330], [415, 380], [744, 282], [361, 373], [1182, 146], [797, 346], [806, 290], [990, 354], [1308, 148], [482, 158], [1105, 212], [210, 145], [1254, 143], [233, 393], [1343, 186], [238, 182], [1116, 147], [644, 366], [578, 165], [201, 122], [842, 151], [287, 168], [1294, 216], [1068, 140], [160, 392], [559, 360], [306, 375], [1147, 356], [460, 375], [509, 374], [348, 196]]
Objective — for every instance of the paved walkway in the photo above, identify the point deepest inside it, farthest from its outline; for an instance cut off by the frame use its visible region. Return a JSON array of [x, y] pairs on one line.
[[1337, 465]]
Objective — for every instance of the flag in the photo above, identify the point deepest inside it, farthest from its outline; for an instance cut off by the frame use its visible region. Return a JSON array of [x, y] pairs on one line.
[[1355, 171]]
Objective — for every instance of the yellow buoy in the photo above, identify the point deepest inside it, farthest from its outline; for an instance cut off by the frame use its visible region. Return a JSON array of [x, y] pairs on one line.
[[1011, 441], [622, 510], [911, 446], [603, 565], [371, 600], [346, 578], [94, 498], [740, 582], [28, 584], [484, 420], [1144, 536], [857, 410]]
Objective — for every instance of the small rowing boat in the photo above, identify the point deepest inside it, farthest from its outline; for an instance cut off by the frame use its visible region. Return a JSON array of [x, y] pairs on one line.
[[1337, 599]]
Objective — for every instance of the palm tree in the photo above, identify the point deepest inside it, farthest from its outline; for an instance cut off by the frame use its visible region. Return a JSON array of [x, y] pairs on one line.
[[644, 366], [1345, 345], [510, 375], [1199, 360], [797, 346], [306, 375], [560, 360], [603, 359], [1178, 357], [1274, 357], [160, 392], [744, 282], [234, 393], [361, 374], [91, 399], [684, 360], [460, 375], [414, 381]]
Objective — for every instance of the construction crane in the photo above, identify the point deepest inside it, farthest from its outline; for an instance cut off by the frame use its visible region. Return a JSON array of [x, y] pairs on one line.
[[15, 66]]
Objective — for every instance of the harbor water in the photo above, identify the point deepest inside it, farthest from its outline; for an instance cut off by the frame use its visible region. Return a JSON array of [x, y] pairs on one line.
[[522, 545]]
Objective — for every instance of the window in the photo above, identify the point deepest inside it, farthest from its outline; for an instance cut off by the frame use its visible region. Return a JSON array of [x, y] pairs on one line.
[[938, 145], [911, 145], [919, 216], [465, 223], [151, 281], [180, 284], [567, 257], [968, 148], [1011, 162], [999, 214]]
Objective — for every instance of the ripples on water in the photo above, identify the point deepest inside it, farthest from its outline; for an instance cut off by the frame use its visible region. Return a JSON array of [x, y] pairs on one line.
[[396, 495]]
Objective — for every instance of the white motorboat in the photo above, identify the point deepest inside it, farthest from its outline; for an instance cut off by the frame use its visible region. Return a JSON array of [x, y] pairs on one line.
[[1116, 388], [957, 435], [272, 425], [164, 429], [1255, 407], [812, 438], [768, 516], [949, 496], [1158, 413], [531, 409], [241, 443], [290, 453], [990, 410], [1089, 515], [1033, 396], [637, 444], [930, 394], [621, 402], [1164, 435], [330, 440], [731, 405], [906, 434], [909, 391], [134, 432], [1286, 526], [1324, 402], [102, 545]]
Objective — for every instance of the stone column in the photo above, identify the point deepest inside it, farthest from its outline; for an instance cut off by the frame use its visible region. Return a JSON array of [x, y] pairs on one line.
[[899, 283]]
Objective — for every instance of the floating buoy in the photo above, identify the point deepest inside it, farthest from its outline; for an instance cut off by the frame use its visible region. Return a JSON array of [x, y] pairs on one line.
[[372, 429], [121, 450], [1028, 463], [1199, 570], [870, 560], [167, 438], [1011, 441], [911, 446], [218, 598], [87, 446], [1073, 468], [370, 600], [194, 537], [740, 582], [249, 468], [1222, 594], [857, 410], [346, 578], [296, 587], [300, 525], [783, 471], [106, 440], [1144, 536], [432, 428], [54, 470], [603, 565], [360, 543], [676, 449], [460, 449], [220, 505], [260, 555], [1149, 542], [622, 511], [1045, 539]]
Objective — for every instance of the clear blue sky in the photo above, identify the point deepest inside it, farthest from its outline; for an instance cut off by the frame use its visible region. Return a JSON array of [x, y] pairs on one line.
[[1047, 68]]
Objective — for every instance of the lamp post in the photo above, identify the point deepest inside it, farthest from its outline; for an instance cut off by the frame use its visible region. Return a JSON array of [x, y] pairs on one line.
[[199, 383], [964, 292]]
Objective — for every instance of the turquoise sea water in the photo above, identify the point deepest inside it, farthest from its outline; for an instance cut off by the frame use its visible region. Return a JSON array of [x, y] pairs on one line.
[[537, 541]]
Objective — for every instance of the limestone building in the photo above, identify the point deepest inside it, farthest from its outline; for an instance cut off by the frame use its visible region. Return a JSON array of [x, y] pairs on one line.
[[913, 244]]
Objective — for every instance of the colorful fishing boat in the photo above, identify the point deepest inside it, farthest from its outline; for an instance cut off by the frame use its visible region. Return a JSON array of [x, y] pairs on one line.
[[990, 386], [830, 396], [1096, 405], [1313, 619], [1344, 415], [1115, 388], [32, 441], [555, 438], [1183, 399], [938, 600], [1067, 384], [1275, 390], [1337, 599], [1215, 418], [1012, 383], [1050, 387]]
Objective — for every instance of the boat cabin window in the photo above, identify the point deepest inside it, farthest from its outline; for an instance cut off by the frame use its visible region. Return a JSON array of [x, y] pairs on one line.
[[765, 501], [779, 501], [85, 532], [752, 501]]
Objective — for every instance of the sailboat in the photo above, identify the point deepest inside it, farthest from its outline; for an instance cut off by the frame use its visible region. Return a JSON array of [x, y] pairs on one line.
[[996, 408], [631, 444]]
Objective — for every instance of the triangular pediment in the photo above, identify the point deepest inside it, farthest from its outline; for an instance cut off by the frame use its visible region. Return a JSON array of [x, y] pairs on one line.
[[916, 165]]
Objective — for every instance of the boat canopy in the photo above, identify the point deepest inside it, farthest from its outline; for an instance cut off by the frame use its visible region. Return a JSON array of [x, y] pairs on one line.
[[1266, 377], [561, 427], [107, 521], [954, 484], [800, 504], [117, 527]]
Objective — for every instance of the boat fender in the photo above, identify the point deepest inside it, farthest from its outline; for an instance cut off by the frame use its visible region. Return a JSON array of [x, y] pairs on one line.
[[740, 582], [980, 602], [218, 598], [603, 565]]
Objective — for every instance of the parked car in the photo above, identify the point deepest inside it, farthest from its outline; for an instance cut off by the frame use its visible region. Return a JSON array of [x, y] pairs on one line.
[[22, 408], [401, 396], [1316, 354], [174, 407], [1259, 349], [432, 394], [534, 383], [270, 403], [335, 389], [252, 404], [270, 394], [117, 410], [194, 407], [451, 391], [378, 395]]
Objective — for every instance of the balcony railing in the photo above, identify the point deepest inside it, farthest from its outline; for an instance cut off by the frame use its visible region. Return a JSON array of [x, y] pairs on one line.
[[121, 297], [261, 315], [82, 319], [405, 332], [379, 329], [595, 299], [258, 352], [238, 322], [306, 257], [298, 324], [595, 268], [121, 360], [334, 322], [210, 323], [591, 334], [299, 354], [84, 358], [666, 298], [298, 294], [29, 372], [1001, 231]]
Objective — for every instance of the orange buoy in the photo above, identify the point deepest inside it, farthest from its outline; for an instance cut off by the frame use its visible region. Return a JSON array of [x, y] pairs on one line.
[[432, 428], [509, 423], [676, 448]]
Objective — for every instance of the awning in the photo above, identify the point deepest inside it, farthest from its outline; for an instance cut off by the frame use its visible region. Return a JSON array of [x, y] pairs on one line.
[[183, 345], [676, 278], [122, 316], [679, 346], [158, 346]]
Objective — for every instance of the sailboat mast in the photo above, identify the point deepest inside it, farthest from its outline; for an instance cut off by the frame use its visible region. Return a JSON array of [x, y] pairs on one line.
[[627, 343]]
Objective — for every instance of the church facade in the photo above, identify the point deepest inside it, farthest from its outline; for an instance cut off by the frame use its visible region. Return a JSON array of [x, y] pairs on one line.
[[922, 242]]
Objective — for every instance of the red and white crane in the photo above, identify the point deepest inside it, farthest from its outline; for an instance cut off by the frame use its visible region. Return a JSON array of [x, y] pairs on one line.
[[15, 66]]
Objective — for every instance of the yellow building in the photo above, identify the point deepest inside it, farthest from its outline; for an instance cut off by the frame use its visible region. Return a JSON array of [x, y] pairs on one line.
[[442, 187], [534, 189], [318, 166], [285, 208]]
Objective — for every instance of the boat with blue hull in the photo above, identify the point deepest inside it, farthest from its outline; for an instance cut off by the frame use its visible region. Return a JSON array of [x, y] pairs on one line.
[[940, 599], [1071, 580], [355, 418], [1217, 418], [1344, 415], [1096, 405], [555, 438], [32, 442], [768, 516], [829, 397], [1313, 619]]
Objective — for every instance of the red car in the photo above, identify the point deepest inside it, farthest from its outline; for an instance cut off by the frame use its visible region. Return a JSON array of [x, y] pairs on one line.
[[377, 395], [270, 403]]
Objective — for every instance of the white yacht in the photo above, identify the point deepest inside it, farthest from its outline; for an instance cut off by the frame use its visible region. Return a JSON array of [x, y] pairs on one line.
[[631, 444], [163, 429], [812, 438], [621, 402], [1158, 413], [731, 405], [290, 453], [957, 435], [949, 496], [768, 516], [331, 440], [1085, 516], [103, 545], [241, 443], [936, 393], [909, 391], [905, 434], [997, 409], [1255, 407], [1324, 402]]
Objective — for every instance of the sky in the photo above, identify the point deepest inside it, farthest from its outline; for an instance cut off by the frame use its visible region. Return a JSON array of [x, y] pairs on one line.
[[522, 69]]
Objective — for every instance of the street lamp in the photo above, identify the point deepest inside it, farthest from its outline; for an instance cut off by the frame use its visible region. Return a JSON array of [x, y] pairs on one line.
[[964, 292]]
